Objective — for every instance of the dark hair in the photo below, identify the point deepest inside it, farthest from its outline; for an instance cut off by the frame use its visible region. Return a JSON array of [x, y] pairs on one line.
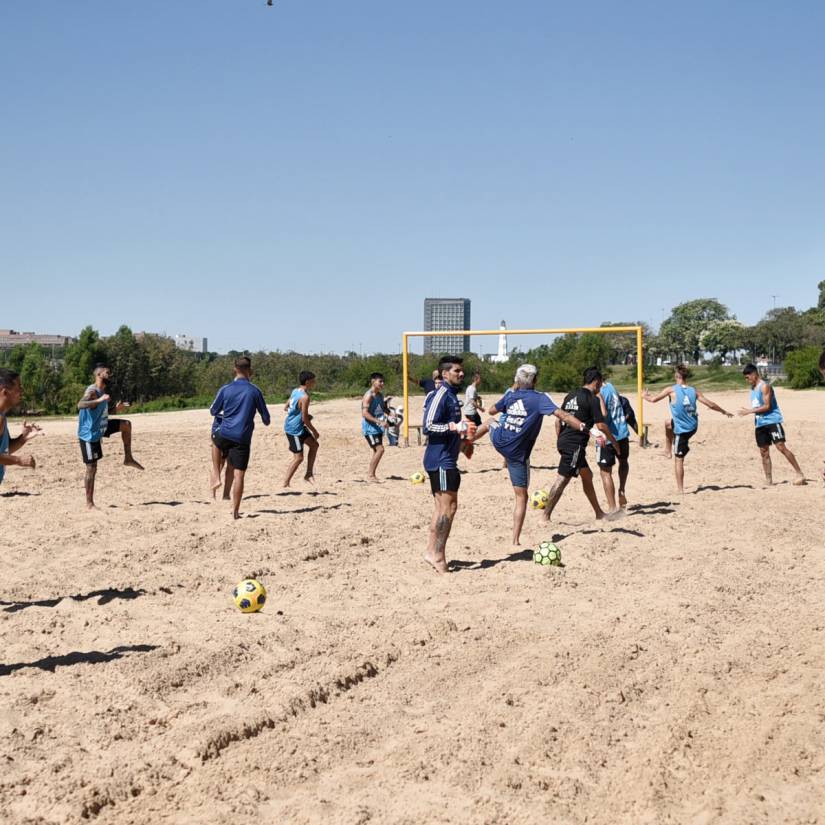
[[375, 376], [447, 361], [305, 376], [750, 369], [683, 371], [243, 363], [592, 374], [8, 378], [822, 360]]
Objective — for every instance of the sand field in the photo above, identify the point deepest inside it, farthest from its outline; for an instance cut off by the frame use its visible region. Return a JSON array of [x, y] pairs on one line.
[[670, 672]]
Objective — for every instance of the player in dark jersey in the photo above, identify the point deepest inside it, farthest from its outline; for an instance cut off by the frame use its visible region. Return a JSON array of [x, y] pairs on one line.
[[584, 404]]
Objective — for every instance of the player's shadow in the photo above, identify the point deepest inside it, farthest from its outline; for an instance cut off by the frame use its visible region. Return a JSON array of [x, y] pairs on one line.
[[103, 596], [312, 509], [301, 493], [490, 470], [715, 488], [558, 537], [171, 503], [15, 493], [77, 657], [656, 508], [520, 555]]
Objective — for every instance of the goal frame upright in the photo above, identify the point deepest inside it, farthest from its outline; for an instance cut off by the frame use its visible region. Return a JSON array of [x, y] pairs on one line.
[[405, 342]]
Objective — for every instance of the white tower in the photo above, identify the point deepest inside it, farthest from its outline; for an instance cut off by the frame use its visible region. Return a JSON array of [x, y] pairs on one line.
[[501, 357]]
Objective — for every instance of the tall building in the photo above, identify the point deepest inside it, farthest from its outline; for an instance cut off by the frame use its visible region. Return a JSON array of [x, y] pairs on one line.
[[446, 314], [191, 343]]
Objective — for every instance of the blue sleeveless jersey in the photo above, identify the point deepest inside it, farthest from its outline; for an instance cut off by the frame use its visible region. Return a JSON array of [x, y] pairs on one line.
[[294, 422], [92, 421], [683, 410], [615, 412], [773, 416], [376, 410], [4, 444]]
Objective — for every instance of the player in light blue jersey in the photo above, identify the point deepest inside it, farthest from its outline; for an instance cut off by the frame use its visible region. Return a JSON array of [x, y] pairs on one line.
[[374, 421], [684, 421], [11, 392], [769, 424], [606, 454], [299, 428]]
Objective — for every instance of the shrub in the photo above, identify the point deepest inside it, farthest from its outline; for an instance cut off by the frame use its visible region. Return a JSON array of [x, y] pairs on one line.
[[802, 368]]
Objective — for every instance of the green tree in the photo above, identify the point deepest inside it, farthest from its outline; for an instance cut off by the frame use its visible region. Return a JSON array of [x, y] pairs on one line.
[[722, 337], [83, 356], [681, 332]]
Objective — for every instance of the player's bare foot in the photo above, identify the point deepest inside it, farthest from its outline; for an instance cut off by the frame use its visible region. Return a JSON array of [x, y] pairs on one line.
[[665, 454], [90, 507], [309, 479], [214, 484], [615, 515], [236, 515], [438, 564], [373, 479], [130, 462], [622, 499], [800, 481]]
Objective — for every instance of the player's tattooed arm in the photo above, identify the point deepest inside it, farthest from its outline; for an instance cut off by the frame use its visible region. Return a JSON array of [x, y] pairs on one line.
[[90, 400]]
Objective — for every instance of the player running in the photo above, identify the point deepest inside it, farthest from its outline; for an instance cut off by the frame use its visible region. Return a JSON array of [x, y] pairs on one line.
[[515, 435], [607, 455], [374, 422], [585, 405], [299, 428], [443, 425], [236, 403], [11, 392], [768, 420], [94, 424], [685, 419]]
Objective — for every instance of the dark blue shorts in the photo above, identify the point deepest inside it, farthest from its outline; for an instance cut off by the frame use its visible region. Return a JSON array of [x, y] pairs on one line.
[[519, 473]]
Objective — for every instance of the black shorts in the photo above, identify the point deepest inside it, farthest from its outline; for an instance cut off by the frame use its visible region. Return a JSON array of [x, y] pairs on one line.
[[296, 442], [474, 417], [114, 425], [681, 443], [770, 434], [572, 459], [374, 440], [234, 452], [91, 451], [606, 456], [444, 481]]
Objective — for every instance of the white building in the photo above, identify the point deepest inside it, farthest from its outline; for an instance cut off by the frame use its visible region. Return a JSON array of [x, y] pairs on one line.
[[501, 356], [190, 343]]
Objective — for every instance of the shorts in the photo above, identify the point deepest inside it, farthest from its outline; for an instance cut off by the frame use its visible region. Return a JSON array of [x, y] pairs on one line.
[[606, 456], [375, 440], [92, 451], [572, 459], [444, 481], [681, 443], [296, 442], [770, 434], [234, 452], [519, 473], [474, 417]]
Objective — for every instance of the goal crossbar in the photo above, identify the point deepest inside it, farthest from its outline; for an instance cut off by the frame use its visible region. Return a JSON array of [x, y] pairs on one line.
[[637, 330]]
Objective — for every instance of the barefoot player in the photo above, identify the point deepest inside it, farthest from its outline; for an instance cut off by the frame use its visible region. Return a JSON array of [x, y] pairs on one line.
[[10, 394], [443, 426], [607, 456], [585, 405], [768, 420], [236, 403], [94, 425], [299, 428], [685, 419], [374, 421]]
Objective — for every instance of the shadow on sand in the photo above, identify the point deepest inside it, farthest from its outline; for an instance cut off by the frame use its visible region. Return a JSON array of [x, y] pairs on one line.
[[104, 596], [77, 657]]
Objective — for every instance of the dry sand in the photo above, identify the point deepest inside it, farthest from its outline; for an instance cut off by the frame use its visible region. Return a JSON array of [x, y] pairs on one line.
[[671, 672]]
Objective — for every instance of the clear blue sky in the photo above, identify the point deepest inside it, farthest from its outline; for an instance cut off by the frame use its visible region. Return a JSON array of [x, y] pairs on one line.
[[303, 176]]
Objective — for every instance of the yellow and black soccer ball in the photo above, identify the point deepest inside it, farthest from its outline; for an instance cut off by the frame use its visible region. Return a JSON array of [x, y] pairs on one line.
[[539, 499], [417, 477], [249, 595]]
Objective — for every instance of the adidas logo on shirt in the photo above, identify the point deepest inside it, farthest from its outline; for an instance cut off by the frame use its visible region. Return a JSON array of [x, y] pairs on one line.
[[517, 409]]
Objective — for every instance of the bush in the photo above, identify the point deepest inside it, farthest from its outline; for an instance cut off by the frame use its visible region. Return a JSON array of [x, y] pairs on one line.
[[802, 368]]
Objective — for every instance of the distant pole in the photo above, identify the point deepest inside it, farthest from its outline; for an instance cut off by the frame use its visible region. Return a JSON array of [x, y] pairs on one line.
[[774, 300]]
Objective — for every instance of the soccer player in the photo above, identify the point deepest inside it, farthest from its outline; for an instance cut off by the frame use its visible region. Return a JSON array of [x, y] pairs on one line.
[[10, 393], [606, 455], [585, 405], [299, 428], [515, 435], [94, 424], [374, 422], [443, 425], [236, 403], [472, 400], [768, 420], [427, 384], [685, 419]]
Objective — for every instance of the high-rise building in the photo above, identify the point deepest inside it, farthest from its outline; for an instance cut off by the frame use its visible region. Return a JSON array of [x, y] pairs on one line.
[[446, 314]]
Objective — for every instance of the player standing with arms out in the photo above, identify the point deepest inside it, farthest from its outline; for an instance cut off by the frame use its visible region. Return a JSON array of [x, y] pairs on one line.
[[515, 435], [236, 403], [10, 394], [472, 400], [685, 419], [427, 384], [374, 422], [94, 424], [443, 425], [768, 420], [606, 455], [585, 405], [299, 428]]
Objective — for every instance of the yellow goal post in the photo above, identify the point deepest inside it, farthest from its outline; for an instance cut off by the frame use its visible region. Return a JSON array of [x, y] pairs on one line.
[[405, 339]]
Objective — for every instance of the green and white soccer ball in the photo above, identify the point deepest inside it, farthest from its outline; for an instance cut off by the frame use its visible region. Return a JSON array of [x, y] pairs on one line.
[[539, 499], [548, 555]]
